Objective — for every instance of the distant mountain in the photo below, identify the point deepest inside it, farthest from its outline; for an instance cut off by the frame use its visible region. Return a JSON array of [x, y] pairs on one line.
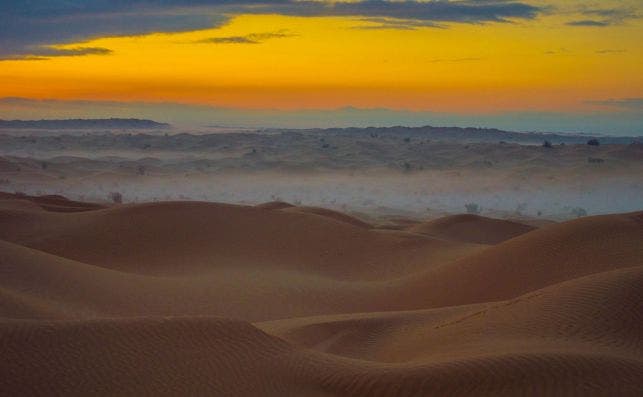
[[83, 124], [472, 135]]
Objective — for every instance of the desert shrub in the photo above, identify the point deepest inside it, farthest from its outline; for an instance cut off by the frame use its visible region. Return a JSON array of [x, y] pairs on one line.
[[472, 208], [116, 197], [579, 212], [547, 144], [593, 142]]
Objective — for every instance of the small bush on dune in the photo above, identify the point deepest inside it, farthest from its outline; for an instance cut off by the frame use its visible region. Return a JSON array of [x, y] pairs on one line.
[[579, 212], [116, 197], [593, 142], [472, 208]]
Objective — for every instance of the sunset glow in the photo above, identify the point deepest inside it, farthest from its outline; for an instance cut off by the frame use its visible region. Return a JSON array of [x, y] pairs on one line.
[[557, 60]]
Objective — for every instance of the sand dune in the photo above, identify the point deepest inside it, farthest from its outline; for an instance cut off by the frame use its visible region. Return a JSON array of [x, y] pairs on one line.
[[335, 215], [472, 228], [49, 203], [193, 298], [274, 205], [182, 237], [486, 352], [614, 297]]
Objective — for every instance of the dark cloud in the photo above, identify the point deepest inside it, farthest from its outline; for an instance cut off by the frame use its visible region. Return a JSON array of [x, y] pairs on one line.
[[253, 38], [29, 32], [29, 27], [463, 11]]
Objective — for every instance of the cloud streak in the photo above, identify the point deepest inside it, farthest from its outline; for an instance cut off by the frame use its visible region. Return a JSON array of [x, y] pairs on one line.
[[610, 51], [602, 17], [45, 53], [623, 103], [252, 38], [395, 24], [588, 22]]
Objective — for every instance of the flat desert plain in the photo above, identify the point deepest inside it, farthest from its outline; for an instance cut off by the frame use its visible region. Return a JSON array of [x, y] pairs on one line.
[[199, 298]]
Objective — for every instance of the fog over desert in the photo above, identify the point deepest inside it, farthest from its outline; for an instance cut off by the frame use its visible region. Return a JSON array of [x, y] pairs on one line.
[[346, 198], [414, 172]]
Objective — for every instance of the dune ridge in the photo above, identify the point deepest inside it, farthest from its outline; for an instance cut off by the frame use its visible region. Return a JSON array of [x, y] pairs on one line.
[[192, 298], [472, 229]]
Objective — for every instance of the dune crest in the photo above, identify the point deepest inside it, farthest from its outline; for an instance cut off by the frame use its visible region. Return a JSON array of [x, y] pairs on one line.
[[472, 229]]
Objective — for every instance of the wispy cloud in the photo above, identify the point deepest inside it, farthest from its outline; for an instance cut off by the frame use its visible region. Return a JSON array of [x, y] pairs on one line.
[[45, 52], [610, 51], [560, 51], [455, 60], [394, 24], [588, 22], [601, 17], [252, 38], [624, 103]]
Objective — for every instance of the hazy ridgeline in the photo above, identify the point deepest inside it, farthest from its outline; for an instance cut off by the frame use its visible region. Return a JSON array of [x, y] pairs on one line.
[[414, 172]]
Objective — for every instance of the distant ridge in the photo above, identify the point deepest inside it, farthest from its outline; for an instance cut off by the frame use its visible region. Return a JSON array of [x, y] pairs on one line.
[[83, 124], [473, 135]]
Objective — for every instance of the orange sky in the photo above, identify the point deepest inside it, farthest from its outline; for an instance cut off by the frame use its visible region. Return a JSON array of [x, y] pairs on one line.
[[330, 62]]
